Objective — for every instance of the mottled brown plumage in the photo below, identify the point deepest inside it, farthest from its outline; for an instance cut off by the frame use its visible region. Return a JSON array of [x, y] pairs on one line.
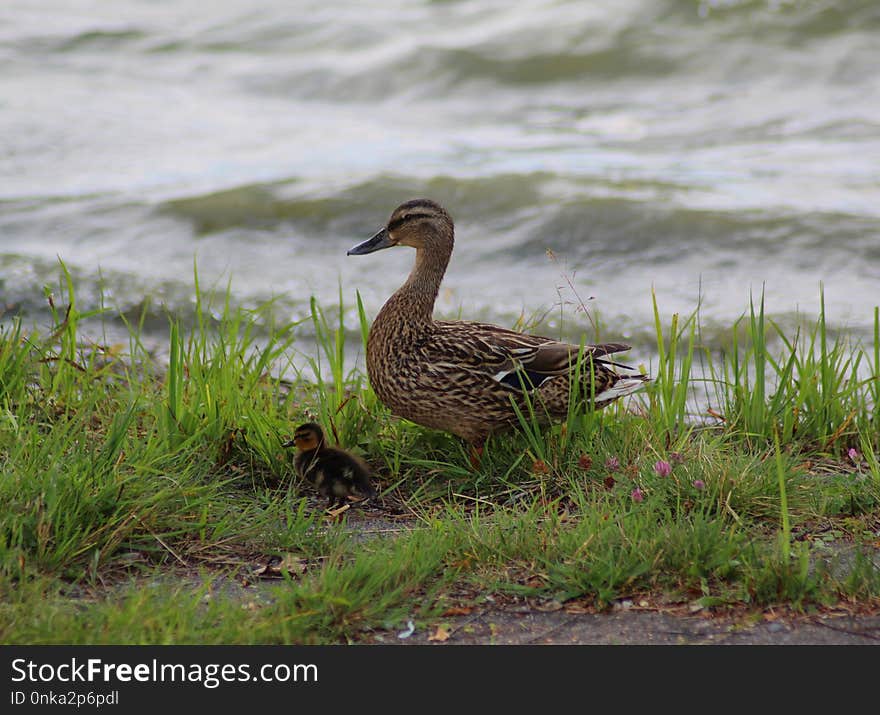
[[460, 376], [335, 473]]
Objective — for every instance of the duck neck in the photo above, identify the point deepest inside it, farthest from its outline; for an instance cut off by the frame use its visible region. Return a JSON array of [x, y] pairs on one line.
[[419, 293]]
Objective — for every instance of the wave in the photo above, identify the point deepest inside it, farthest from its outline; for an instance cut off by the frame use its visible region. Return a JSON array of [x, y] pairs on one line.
[[113, 300], [351, 55], [796, 21], [657, 232], [522, 209], [350, 210]]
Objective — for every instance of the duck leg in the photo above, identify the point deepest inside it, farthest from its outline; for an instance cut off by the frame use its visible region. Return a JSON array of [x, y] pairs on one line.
[[476, 455]]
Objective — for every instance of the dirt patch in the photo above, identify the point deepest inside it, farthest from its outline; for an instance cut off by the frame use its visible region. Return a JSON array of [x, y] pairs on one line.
[[500, 626]]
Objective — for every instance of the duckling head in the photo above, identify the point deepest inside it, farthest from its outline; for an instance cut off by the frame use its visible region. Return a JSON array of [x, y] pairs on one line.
[[307, 437], [418, 223]]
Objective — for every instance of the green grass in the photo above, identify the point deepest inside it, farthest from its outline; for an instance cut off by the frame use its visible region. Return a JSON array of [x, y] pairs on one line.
[[140, 499]]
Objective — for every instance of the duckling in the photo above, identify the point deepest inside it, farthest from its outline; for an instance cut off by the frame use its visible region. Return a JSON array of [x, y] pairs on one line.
[[335, 473]]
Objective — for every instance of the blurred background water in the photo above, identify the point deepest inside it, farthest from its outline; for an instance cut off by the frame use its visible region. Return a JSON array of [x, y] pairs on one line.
[[707, 149]]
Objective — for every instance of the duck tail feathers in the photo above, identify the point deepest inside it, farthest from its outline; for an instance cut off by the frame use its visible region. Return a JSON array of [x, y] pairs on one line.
[[624, 386]]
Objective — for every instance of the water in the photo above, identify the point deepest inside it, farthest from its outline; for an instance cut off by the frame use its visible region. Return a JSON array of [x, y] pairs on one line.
[[706, 149]]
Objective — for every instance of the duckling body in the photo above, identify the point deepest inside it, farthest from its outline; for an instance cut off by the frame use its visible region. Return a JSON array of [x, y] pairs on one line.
[[335, 473], [465, 377]]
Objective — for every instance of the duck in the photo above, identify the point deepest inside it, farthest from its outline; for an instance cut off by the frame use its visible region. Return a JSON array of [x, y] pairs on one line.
[[465, 377], [335, 473]]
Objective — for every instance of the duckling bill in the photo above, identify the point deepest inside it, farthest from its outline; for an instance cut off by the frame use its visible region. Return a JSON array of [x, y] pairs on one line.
[[335, 473]]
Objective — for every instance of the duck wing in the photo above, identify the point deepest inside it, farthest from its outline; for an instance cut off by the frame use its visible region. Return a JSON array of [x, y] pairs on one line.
[[515, 360]]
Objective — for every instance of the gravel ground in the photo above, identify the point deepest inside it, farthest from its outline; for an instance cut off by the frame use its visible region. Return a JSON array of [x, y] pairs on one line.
[[506, 627]]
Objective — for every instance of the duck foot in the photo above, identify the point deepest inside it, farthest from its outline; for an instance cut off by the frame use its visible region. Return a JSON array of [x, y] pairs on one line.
[[335, 512]]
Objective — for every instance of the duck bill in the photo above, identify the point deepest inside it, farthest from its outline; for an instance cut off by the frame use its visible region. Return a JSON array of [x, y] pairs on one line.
[[375, 243]]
